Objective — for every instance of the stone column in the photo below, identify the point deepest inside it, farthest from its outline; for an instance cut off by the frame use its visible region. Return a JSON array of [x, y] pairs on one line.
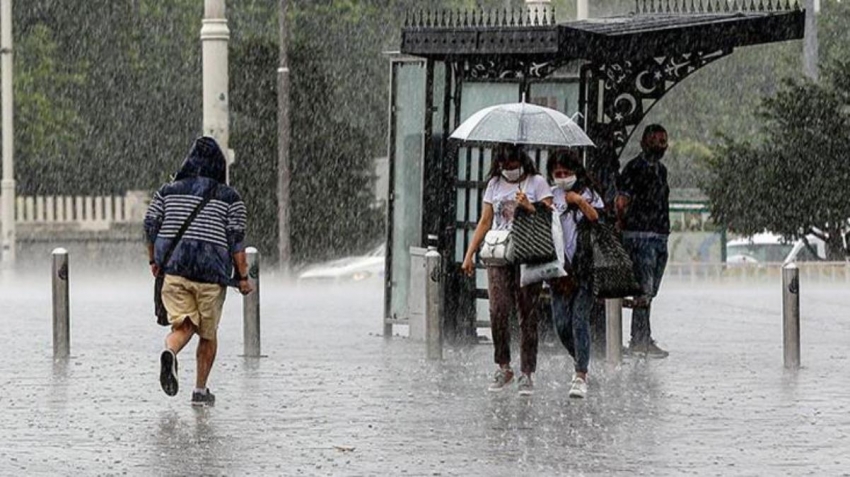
[[215, 36]]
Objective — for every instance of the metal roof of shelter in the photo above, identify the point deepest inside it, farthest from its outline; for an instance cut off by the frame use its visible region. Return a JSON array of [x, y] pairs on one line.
[[656, 27]]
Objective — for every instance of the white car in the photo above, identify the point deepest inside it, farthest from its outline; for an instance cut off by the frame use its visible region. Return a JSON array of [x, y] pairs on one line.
[[770, 248], [347, 270]]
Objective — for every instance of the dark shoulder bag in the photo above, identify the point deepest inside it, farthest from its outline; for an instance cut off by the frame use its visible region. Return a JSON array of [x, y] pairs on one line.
[[159, 307], [605, 261]]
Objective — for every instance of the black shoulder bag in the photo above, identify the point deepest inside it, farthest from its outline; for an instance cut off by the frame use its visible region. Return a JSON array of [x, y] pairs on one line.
[[159, 308], [601, 257]]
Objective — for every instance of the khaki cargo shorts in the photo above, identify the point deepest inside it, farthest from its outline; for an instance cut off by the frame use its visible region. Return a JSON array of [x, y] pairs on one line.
[[199, 302]]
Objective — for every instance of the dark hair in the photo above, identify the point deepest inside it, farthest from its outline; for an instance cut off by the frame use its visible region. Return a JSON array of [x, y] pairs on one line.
[[503, 152], [569, 159], [652, 129]]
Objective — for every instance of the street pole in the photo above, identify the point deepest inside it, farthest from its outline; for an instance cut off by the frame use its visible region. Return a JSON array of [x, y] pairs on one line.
[[7, 186], [810, 42], [284, 178], [215, 36], [614, 331], [791, 316], [433, 302], [251, 307], [581, 10]]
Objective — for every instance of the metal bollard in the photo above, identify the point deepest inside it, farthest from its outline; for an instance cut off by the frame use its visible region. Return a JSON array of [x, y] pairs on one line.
[[61, 306], [433, 304], [614, 331], [791, 315], [251, 307]]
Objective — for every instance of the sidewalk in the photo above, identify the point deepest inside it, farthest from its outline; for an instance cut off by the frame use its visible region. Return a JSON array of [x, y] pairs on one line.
[[335, 398]]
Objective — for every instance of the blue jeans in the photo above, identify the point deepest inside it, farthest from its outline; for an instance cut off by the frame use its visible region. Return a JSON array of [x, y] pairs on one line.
[[571, 314], [649, 256]]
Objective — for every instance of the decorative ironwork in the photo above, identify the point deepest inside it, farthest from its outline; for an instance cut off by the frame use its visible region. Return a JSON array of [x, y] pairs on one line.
[[509, 68], [624, 92], [532, 41], [715, 6], [479, 18]]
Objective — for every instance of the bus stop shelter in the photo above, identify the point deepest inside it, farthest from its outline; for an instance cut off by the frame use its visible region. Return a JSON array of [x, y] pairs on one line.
[[608, 72]]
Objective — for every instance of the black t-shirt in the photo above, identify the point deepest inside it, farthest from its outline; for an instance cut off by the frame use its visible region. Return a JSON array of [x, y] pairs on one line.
[[645, 183]]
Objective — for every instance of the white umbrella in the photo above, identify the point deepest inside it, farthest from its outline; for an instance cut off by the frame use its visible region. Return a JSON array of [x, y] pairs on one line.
[[522, 123]]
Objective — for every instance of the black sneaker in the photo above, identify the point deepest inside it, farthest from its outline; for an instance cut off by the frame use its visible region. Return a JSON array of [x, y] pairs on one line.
[[168, 372], [205, 398], [648, 350]]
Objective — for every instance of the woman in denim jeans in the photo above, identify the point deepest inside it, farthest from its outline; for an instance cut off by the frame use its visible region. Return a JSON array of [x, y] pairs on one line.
[[514, 182], [572, 297]]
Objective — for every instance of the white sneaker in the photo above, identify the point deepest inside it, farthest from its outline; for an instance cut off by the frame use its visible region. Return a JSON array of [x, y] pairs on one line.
[[501, 379], [578, 390], [525, 385]]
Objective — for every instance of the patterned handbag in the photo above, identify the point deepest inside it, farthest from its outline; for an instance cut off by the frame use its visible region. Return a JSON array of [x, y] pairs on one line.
[[531, 236]]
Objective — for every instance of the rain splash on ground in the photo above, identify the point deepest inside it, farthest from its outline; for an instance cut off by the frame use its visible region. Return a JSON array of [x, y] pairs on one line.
[[335, 398]]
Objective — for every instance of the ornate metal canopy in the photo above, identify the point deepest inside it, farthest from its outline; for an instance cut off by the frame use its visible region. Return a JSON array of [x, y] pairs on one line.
[[629, 62], [657, 28]]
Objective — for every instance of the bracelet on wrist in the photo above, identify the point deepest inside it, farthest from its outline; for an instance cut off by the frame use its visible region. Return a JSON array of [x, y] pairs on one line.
[[151, 262]]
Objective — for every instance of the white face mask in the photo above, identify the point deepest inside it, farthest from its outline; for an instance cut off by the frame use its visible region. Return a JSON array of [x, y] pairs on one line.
[[512, 175], [566, 183]]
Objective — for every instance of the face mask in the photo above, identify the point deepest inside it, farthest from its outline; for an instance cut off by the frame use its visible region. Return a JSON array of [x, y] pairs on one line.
[[512, 175], [655, 156], [566, 183]]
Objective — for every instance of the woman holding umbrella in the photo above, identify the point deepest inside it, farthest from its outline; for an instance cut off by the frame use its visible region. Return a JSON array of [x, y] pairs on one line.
[[514, 182]]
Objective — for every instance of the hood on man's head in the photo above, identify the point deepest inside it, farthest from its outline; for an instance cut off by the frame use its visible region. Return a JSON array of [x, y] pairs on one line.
[[206, 159]]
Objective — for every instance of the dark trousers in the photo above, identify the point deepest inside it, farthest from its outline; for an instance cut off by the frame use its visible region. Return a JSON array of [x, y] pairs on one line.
[[649, 255], [571, 305], [506, 295]]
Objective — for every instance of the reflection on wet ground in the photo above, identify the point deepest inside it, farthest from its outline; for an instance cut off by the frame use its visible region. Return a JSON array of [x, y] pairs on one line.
[[334, 398]]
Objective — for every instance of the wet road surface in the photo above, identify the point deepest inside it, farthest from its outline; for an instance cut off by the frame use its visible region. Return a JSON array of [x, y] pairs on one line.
[[334, 398]]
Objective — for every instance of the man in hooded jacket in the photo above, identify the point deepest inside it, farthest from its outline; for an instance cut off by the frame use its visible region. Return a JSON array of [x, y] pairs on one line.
[[201, 265]]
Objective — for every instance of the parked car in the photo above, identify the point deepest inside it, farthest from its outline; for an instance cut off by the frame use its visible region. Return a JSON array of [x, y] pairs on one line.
[[347, 270], [771, 248]]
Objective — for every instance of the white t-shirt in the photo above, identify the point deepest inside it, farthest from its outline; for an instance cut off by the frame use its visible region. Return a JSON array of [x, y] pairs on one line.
[[570, 219], [501, 194]]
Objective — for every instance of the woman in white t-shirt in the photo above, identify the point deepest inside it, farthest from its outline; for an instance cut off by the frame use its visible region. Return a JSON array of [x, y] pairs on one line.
[[572, 297], [514, 182]]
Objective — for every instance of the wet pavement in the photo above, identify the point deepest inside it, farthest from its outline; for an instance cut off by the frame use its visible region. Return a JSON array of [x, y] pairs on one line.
[[334, 398]]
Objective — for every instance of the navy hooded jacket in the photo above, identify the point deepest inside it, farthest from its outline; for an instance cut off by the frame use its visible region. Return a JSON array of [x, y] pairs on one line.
[[218, 231]]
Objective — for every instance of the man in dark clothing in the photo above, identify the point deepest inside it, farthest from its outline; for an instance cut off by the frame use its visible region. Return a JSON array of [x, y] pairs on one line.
[[201, 265], [643, 215]]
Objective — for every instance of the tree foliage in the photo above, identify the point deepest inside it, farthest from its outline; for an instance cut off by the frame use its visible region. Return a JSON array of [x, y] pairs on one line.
[[48, 118], [793, 183]]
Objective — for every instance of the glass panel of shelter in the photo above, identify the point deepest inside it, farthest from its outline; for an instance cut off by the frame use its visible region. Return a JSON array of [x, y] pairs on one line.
[[410, 84], [408, 110]]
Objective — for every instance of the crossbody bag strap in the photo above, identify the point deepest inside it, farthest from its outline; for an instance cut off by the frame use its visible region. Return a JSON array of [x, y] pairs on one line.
[[186, 224]]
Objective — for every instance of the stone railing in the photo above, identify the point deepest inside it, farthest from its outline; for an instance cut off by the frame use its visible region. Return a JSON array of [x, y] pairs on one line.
[[95, 212], [829, 272]]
